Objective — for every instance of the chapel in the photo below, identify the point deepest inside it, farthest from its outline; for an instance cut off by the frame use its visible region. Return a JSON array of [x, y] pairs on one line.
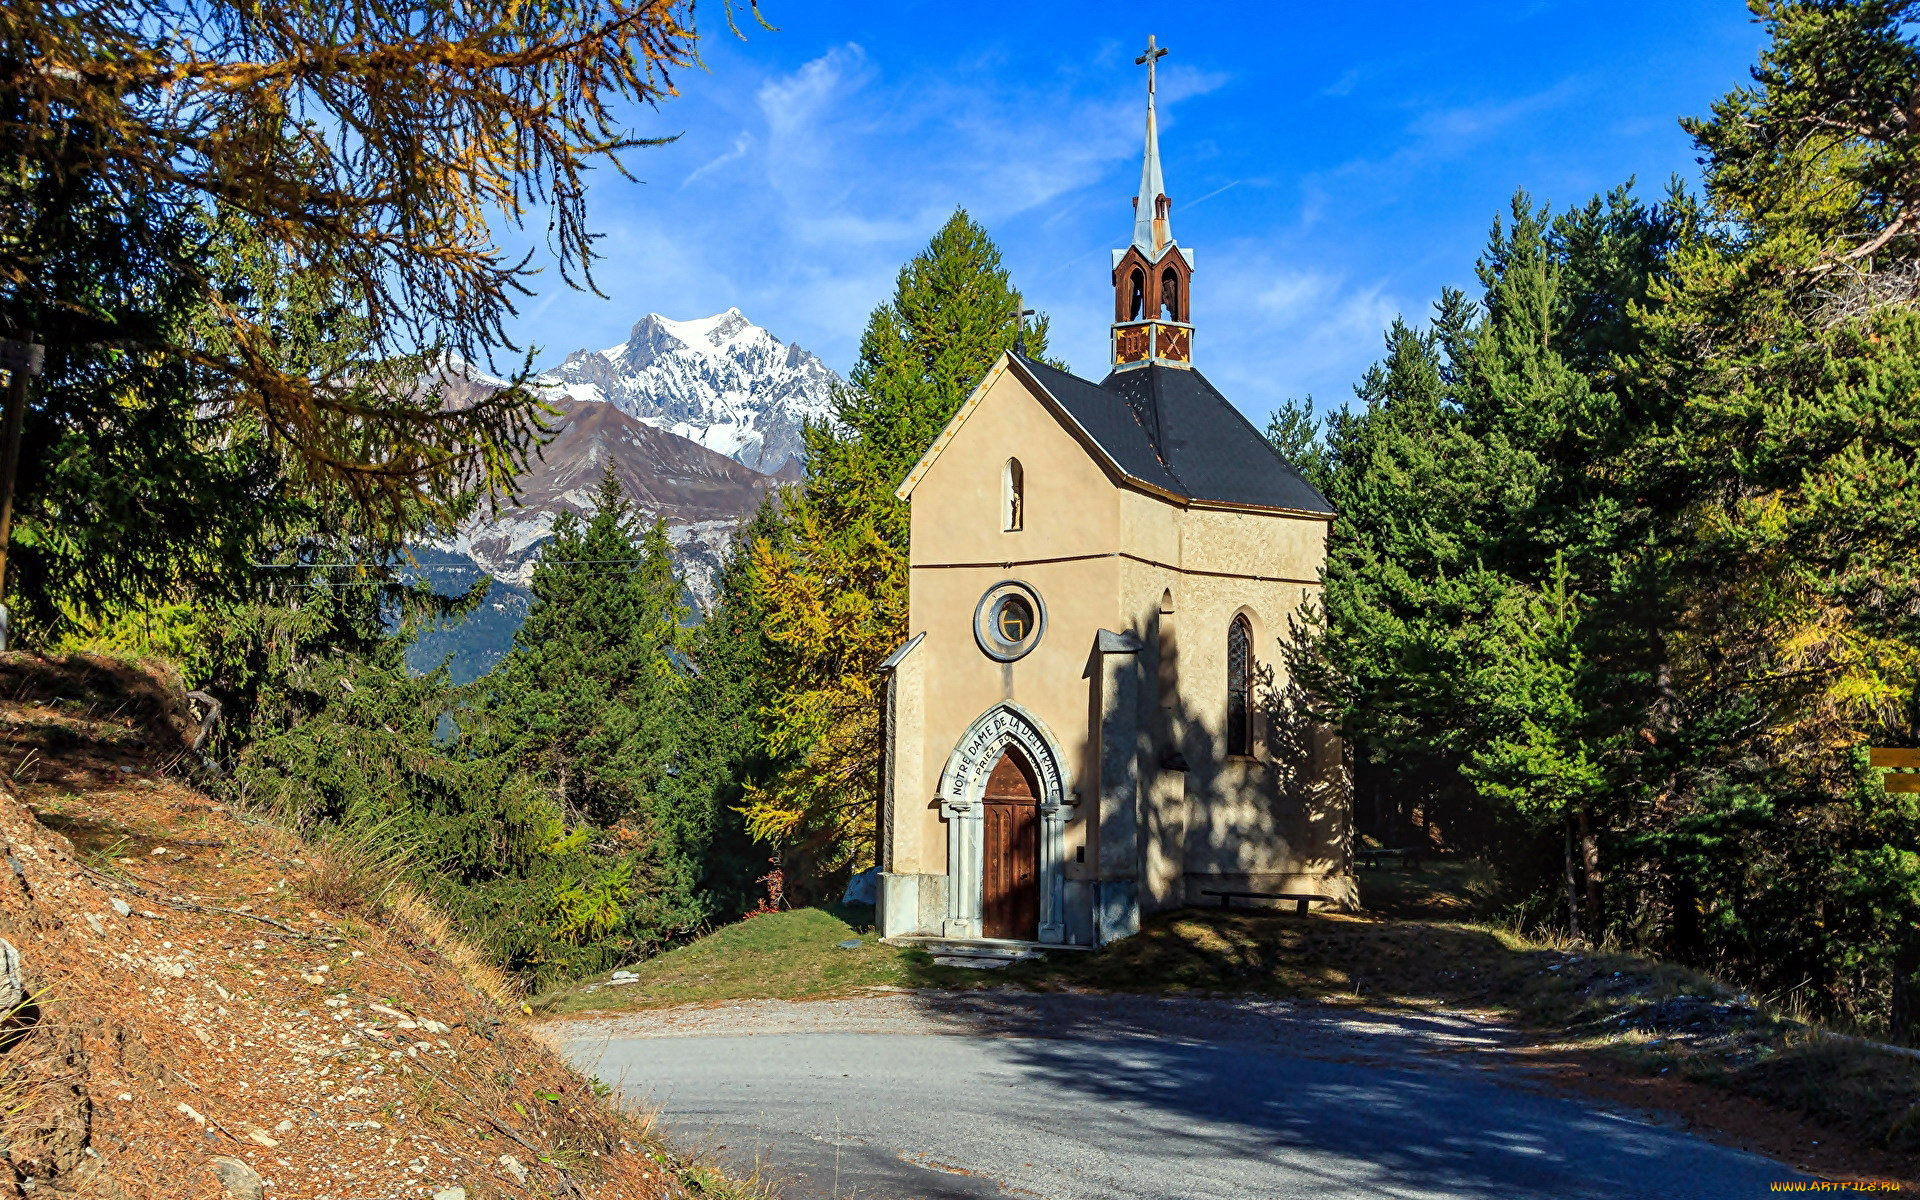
[[1091, 719]]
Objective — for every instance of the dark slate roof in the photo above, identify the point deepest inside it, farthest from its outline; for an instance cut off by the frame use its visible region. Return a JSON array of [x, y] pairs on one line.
[[1169, 427]]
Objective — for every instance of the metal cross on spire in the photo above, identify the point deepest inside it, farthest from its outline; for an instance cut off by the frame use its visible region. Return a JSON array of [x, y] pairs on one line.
[[1153, 55], [1151, 230]]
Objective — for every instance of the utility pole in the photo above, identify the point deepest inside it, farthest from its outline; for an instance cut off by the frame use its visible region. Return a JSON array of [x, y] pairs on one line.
[[21, 360]]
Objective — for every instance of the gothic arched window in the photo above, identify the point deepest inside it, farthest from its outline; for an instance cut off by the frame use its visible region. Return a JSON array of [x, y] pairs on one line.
[[1137, 308], [1170, 293], [1169, 654], [1013, 496], [1240, 688]]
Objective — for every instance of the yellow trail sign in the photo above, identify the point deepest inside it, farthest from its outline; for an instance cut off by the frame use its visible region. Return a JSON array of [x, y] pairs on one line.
[[1894, 758]]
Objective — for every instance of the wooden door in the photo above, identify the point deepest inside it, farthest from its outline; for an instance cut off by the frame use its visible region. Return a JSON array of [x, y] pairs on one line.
[[1010, 884]]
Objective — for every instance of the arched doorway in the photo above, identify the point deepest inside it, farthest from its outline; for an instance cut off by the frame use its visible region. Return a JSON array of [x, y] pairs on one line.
[[1006, 761], [1010, 876]]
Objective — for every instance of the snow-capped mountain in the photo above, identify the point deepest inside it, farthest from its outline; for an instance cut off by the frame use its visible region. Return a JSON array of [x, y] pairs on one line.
[[699, 420], [721, 381]]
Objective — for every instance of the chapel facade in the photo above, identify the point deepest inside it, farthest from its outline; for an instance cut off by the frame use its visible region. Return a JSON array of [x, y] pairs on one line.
[[1091, 719]]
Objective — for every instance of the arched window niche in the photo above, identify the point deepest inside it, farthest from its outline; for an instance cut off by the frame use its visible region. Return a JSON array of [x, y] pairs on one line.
[[1137, 294], [1013, 497], [1170, 295], [1240, 688]]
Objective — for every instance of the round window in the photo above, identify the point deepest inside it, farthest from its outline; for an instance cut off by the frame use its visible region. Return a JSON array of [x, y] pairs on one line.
[[1013, 617], [1009, 620]]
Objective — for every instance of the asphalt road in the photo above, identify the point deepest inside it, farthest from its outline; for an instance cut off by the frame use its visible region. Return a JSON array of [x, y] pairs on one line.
[[913, 1097]]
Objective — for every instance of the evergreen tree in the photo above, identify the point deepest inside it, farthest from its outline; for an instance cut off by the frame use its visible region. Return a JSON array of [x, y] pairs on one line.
[[954, 310], [1783, 356], [586, 697], [1622, 580], [1294, 431], [836, 593], [723, 744], [535, 803], [1478, 555], [134, 490]]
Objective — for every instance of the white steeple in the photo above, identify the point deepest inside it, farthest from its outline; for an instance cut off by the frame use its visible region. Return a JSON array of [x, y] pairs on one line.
[[1152, 311], [1151, 227]]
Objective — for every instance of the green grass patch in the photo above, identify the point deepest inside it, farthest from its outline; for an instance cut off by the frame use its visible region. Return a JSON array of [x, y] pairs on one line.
[[794, 955]]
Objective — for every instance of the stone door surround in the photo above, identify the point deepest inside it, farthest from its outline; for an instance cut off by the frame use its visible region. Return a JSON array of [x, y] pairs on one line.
[[963, 786]]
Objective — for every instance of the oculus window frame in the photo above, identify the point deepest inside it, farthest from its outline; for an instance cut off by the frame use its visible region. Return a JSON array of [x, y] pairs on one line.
[[1009, 620]]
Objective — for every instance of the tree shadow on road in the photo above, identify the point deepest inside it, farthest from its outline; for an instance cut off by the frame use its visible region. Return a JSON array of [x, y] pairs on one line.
[[1383, 1098]]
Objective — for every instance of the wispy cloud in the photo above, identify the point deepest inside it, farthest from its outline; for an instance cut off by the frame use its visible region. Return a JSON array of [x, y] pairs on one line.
[[853, 167], [742, 142], [1330, 167], [1291, 325], [1466, 123]]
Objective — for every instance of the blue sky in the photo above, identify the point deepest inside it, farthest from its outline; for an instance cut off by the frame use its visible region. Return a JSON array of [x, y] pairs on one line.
[[1331, 165]]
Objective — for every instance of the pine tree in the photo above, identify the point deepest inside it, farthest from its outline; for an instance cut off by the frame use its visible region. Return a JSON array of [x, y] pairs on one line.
[[954, 310], [1784, 356], [1478, 564], [586, 695], [535, 803], [836, 594], [583, 709], [723, 743], [1295, 431], [1623, 564]]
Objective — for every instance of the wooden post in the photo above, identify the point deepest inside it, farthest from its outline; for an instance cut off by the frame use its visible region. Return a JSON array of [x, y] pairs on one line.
[[21, 359]]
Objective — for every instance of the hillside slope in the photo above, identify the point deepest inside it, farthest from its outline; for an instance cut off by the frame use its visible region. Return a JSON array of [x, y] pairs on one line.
[[217, 1009]]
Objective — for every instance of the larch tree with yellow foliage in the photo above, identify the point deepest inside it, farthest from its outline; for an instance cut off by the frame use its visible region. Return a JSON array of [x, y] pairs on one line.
[[373, 150], [835, 589]]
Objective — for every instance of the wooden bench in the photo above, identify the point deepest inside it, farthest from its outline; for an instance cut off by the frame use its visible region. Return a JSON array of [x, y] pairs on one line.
[[1409, 857], [1300, 899]]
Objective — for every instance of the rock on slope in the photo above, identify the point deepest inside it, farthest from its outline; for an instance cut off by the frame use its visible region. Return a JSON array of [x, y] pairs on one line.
[[217, 1012], [721, 381]]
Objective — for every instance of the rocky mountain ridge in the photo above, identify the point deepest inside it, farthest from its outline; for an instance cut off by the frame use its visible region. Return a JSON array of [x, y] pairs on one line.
[[701, 495]]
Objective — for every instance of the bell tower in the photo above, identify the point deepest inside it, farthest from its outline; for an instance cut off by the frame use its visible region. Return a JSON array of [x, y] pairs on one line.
[[1152, 320]]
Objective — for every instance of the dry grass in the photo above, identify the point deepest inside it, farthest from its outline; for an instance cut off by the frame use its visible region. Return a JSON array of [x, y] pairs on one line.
[[364, 871], [355, 869], [427, 928]]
